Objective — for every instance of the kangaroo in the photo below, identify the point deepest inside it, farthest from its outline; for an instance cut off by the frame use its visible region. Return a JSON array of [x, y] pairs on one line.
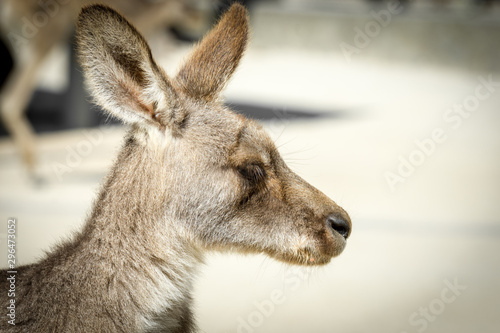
[[33, 28], [192, 177]]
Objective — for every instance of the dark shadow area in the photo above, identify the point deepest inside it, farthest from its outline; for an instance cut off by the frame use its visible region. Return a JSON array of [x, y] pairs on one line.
[[268, 113], [49, 112], [7, 62]]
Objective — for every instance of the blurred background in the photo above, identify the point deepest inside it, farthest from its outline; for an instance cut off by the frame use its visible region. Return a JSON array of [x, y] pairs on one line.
[[389, 107]]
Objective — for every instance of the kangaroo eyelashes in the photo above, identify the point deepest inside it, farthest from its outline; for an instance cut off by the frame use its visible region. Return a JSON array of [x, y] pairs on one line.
[[254, 176], [252, 172]]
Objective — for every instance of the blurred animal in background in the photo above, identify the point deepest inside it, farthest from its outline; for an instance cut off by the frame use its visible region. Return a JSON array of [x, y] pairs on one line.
[[31, 29]]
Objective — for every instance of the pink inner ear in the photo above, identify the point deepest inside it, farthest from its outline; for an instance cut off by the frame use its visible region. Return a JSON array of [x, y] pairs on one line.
[[130, 96]]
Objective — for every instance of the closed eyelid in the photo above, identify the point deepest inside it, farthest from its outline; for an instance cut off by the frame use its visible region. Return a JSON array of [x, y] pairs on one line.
[[253, 170]]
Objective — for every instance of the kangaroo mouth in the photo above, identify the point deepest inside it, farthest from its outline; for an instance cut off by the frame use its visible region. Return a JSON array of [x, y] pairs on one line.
[[319, 253]]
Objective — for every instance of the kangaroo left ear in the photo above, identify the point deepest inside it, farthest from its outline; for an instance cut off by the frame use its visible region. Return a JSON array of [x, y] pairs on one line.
[[120, 71], [216, 57]]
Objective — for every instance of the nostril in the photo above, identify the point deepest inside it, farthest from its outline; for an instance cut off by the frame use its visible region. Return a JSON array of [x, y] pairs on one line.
[[339, 224]]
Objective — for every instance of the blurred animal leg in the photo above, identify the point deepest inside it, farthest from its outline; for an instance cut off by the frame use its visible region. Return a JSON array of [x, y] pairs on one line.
[[14, 99]]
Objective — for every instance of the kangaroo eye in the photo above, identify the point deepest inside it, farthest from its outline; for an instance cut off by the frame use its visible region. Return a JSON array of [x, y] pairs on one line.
[[252, 172], [254, 175]]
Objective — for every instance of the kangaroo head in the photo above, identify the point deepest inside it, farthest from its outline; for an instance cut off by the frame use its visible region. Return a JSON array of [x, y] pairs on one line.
[[228, 187]]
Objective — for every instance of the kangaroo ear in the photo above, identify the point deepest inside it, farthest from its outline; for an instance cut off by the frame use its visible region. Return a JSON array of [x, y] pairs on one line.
[[120, 71], [216, 57]]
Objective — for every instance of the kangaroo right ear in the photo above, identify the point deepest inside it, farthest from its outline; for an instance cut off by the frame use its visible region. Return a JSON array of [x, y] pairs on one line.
[[120, 71], [216, 57]]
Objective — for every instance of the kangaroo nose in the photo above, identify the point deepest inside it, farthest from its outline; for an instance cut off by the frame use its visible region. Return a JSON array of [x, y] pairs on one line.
[[339, 224]]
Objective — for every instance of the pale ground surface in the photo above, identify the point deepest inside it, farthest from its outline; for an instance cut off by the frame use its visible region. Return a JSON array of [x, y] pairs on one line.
[[442, 224]]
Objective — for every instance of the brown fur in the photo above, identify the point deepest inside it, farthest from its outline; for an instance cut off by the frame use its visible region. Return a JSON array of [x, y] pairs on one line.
[[192, 176]]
